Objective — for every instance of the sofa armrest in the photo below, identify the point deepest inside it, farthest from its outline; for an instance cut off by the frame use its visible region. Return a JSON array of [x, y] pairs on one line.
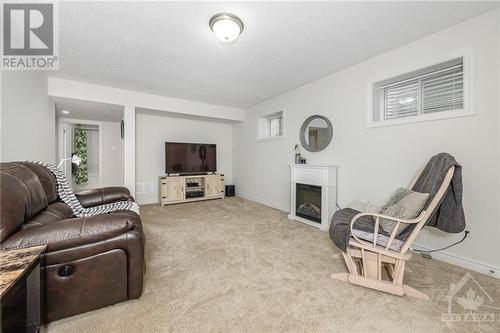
[[73, 232], [101, 196]]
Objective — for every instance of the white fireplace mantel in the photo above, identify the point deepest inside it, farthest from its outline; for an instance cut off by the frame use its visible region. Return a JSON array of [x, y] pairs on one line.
[[323, 175]]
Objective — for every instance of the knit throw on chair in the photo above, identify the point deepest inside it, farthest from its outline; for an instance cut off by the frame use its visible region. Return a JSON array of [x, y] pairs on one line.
[[68, 197]]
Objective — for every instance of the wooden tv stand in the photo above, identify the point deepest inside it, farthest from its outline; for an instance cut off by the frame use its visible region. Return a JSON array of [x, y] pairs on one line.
[[188, 188]]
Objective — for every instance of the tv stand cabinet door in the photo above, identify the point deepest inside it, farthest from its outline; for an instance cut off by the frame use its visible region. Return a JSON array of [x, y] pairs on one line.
[[174, 189], [214, 186]]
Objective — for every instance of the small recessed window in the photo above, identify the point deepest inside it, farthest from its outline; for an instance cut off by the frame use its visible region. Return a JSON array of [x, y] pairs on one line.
[[434, 92], [275, 125], [270, 126]]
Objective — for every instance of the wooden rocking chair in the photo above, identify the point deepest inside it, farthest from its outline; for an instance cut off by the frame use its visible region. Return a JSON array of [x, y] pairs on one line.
[[365, 260]]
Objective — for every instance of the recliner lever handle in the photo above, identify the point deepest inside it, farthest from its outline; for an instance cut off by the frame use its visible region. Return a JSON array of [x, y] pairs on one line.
[[65, 271]]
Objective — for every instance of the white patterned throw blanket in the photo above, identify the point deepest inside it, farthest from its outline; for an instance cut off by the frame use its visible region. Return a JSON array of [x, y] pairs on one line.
[[68, 197]]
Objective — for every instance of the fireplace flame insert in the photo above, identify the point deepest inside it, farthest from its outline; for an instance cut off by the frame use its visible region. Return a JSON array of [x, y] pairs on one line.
[[308, 202]]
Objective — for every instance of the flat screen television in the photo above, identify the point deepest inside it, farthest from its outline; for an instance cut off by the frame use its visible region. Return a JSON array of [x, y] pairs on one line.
[[190, 158]]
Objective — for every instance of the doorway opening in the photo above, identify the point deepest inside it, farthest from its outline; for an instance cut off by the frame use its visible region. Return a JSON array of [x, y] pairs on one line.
[[93, 132], [84, 141]]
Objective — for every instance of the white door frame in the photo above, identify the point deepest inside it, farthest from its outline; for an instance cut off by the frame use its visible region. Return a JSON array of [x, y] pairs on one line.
[[65, 137], [73, 121]]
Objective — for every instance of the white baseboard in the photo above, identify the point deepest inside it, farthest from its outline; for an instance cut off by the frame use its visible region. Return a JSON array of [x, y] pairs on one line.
[[453, 259], [280, 206], [463, 262], [147, 202]]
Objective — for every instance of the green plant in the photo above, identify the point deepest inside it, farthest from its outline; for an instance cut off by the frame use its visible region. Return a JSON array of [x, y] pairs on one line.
[[81, 174]]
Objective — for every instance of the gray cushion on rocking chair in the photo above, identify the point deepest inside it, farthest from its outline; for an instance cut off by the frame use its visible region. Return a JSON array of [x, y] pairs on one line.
[[340, 229]]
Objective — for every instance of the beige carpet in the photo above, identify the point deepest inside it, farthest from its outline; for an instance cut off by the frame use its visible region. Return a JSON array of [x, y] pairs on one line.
[[236, 266]]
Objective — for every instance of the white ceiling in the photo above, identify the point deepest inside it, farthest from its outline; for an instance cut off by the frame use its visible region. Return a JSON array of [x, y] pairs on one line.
[[86, 110], [167, 48]]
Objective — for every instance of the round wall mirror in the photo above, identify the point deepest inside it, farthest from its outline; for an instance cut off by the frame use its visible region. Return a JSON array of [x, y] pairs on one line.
[[316, 133]]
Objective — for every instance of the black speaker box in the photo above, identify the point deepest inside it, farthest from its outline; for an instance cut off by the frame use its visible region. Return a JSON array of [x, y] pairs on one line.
[[230, 190]]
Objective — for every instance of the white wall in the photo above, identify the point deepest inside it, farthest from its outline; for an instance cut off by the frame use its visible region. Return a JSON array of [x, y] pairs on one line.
[[97, 93], [27, 117], [374, 162], [132, 100], [152, 131], [112, 154]]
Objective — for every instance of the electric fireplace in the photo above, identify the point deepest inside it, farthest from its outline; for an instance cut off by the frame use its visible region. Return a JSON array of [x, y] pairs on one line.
[[313, 194], [308, 202]]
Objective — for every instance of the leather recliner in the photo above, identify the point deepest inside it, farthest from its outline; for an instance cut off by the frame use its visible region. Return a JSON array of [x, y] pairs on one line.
[[89, 262]]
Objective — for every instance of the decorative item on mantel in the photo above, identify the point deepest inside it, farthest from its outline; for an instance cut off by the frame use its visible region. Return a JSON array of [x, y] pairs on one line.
[[296, 149], [298, 157]]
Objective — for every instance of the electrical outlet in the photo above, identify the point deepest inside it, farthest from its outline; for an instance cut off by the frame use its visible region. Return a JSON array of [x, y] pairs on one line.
[[426, 255]]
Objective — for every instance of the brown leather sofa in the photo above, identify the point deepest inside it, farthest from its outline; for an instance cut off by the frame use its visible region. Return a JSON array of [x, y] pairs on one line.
[[89, 262]]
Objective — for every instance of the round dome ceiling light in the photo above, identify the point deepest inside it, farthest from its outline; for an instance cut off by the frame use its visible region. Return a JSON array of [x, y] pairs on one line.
[[226, 27]]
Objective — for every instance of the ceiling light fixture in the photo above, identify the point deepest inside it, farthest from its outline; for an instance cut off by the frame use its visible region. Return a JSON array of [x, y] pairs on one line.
[[65, 112], [226, 27]]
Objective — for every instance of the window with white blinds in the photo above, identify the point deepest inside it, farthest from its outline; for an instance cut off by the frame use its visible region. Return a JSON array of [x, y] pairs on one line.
[[443, 90], [437, 89], [271, 126], [402, 100], [275, 126]]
